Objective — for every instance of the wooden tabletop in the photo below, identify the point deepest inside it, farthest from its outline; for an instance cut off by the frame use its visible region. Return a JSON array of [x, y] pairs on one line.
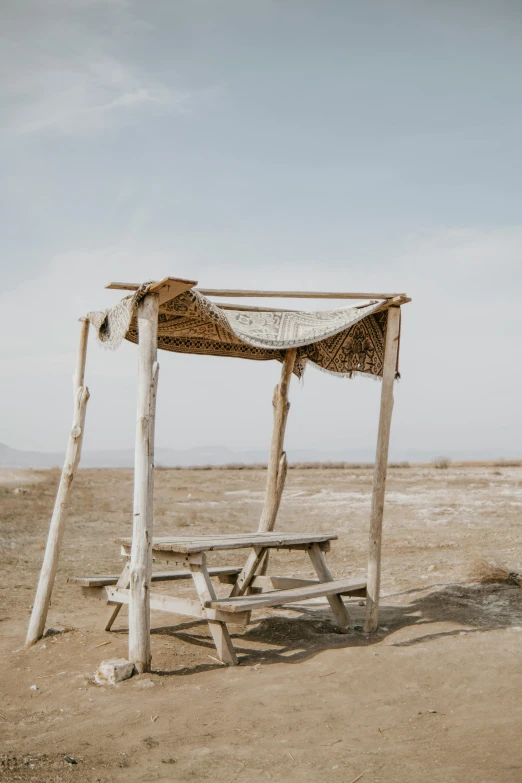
[[193, 544]]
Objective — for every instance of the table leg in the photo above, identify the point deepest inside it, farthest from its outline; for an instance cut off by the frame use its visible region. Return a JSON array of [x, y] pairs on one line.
[[218, 629], [249, 569], [112, 611], [324, 574]]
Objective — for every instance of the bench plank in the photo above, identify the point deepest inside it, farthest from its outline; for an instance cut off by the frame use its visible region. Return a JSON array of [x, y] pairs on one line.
[[160, 576], [246, 603]]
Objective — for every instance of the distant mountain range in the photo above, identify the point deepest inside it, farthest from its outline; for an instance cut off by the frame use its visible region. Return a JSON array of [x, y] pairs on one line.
[[221, 455]]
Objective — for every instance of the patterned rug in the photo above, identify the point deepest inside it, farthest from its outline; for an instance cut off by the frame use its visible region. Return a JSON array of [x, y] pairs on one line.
[[345, 341]]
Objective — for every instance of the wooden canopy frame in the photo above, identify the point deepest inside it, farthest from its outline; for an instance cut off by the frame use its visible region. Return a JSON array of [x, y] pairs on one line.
[[140, 569]]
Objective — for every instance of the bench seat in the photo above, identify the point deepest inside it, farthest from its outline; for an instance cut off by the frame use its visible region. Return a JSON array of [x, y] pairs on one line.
[[246, 603], [159, 576]]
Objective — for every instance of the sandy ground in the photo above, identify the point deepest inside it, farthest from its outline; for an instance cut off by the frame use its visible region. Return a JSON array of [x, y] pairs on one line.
[[434, 696]]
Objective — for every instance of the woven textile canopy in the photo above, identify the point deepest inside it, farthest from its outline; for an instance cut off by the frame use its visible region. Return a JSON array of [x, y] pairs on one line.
[[173, 315], [344, 341]]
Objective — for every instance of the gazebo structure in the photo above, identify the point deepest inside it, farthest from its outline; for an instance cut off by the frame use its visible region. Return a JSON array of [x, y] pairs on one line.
[[175, 315]]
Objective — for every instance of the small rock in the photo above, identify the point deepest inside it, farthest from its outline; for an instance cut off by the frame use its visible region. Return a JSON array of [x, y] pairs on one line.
[[20, 491], [431, 568], [70, 760], [114, 670], [34, 687]]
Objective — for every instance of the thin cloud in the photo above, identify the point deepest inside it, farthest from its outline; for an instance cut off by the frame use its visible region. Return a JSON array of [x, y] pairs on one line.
[[75, 79]]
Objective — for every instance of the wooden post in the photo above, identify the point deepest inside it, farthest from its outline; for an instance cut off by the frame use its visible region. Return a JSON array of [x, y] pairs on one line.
[[277, 464], [141, 550], [61, 504], [381, 465], [277, 460]]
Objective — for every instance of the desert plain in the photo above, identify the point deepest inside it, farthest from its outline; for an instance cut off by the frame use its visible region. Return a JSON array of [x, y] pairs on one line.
[[435, 695]]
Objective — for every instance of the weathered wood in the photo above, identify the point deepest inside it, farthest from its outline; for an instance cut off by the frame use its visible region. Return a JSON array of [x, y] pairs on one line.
[[277, 461], [247, 572], [381, 464], [180, 546], [288, 582], [244, 603], [81, 358], [112, 611], [61, 504], [336, 603], [141, 551], [159, 576], [294, 294], [267, 583], [253, 308], [167, 288], [260, 309], [258, 294], [174, 605], [219, 631]]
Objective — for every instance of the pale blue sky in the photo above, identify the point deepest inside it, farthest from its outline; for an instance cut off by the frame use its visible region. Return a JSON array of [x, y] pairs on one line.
[[270, 144]]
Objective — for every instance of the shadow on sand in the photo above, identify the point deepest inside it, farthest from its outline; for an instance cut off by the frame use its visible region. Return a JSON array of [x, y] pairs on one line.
[[298, 633]]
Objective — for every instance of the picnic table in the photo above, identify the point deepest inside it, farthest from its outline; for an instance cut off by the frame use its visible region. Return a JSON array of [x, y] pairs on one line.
[[250, 590]]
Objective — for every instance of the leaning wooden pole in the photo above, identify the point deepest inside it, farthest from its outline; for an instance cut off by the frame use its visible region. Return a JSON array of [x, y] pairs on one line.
[[277, 459], [381, 465], [72, 457], [141, 551], [276, 473]]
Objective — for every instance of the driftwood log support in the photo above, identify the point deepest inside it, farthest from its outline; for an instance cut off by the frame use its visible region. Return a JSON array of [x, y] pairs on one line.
[[56, 529], [277, 459], [381, 465], [141, 553], [277, 463]]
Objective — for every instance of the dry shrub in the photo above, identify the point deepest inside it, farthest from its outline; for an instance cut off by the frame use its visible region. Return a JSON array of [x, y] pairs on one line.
[[492, 570], [441, 463]]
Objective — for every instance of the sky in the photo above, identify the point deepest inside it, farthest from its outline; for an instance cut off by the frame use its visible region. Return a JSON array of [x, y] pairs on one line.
[[268, 144]]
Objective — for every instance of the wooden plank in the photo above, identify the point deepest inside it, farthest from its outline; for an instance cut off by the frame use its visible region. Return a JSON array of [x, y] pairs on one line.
[[294, 294], [267, 294], [159, 576], [219, 631], [44, 589], [381, 465], [171, 287], [141, 551], [184, 606], [182, 546], [280, 597], [167, 288], [336, 604]]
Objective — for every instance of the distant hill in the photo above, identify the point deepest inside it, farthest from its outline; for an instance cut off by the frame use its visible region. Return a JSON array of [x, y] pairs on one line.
[[207, 455], [221, 455]]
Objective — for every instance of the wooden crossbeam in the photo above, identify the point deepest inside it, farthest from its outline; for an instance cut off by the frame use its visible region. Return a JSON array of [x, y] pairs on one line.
[[172, 281], [294, 294]]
